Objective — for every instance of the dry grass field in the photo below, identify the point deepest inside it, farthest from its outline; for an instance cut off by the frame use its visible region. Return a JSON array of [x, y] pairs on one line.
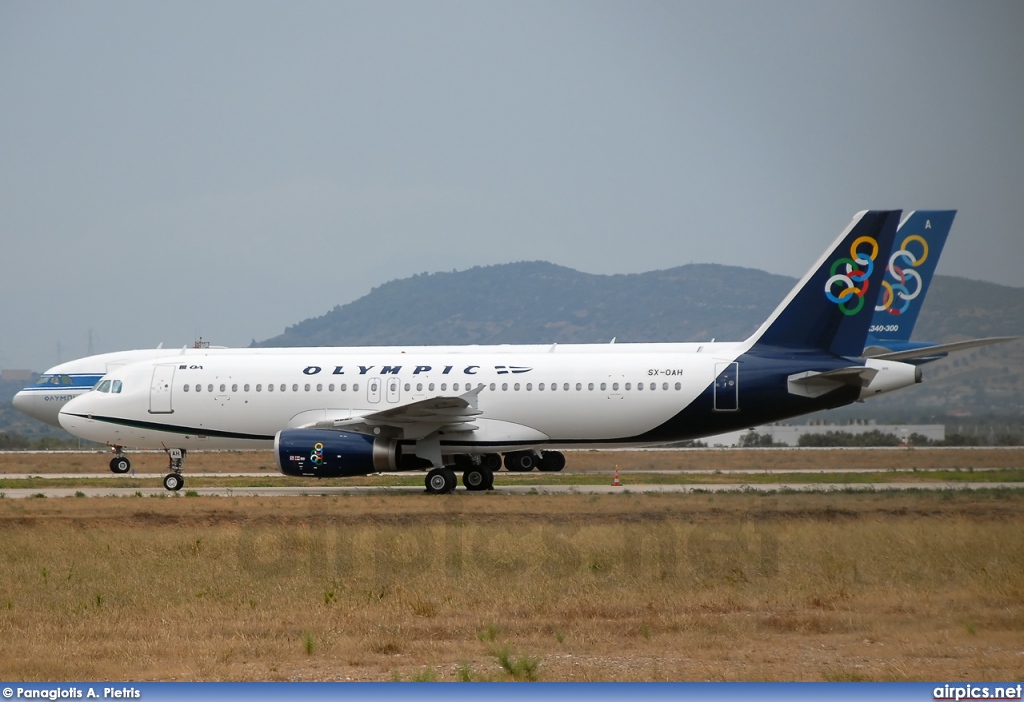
[[737, 586], [576, 461]]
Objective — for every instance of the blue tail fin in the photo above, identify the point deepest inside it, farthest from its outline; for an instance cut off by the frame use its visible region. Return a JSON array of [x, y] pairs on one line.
[[831, 307], [919, 241]]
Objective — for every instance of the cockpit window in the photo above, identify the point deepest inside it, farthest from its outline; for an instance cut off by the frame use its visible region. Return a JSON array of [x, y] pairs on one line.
[[103, 386], [115, 386]]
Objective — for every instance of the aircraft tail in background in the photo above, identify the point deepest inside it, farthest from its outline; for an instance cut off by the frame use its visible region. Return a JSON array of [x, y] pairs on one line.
[[830, 309], [908, 273]]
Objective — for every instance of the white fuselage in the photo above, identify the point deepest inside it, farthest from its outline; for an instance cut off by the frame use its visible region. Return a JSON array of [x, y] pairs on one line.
[[555, 395]]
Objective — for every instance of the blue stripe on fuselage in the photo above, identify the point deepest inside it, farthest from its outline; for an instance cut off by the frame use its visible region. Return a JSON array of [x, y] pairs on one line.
[[764, 396]]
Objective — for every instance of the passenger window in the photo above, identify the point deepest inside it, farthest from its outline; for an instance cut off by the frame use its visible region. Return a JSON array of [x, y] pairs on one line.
[[330, 388], [419, 387], [639, 386], [529, 386], [664, 386], [295, 387], [615, 386], [590, 386], [579, 386], [455, 387], [628, 385], [516, 386], [430, 387], [186, 387], [679, 386], [343, 387], [444, 386], [319, 387], [199, 388], [259, 387], [565, 386], [270, 387], [246, 387], [234, 388], [407, 386], [210, 387], [492, 386], [604, 386], [307, 387], [540, 386], [504, 386], [222, 387], [283, 387], [355, 387]]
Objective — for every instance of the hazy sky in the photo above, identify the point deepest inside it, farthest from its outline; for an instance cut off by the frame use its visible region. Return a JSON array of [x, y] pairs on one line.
[[225, 169]]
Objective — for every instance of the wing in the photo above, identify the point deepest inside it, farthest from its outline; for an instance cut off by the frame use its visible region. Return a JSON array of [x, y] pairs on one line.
[[415, 420]]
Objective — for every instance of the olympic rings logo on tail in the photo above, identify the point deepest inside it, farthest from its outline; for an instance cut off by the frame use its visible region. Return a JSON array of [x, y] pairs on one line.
[[901, 274], [854, 279], [317, 455]]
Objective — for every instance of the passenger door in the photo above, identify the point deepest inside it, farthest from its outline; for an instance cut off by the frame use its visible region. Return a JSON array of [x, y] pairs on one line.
[[160, 389]]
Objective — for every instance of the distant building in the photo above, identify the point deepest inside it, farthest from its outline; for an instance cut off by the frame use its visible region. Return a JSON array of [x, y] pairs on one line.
[[16, 374], [790, 434]]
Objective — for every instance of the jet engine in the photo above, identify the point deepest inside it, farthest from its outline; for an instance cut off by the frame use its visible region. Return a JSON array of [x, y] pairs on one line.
[[323, 453]]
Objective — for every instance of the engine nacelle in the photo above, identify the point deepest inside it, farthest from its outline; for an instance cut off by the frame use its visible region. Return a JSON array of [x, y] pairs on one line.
[[892, 375], [324, 453]]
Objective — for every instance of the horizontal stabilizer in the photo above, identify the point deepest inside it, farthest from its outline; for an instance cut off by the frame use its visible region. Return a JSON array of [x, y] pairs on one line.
[[815, 384], [938, 349]]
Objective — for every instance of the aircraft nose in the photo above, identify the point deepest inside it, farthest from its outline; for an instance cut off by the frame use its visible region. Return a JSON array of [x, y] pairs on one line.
[[20, 402], [32, 405]]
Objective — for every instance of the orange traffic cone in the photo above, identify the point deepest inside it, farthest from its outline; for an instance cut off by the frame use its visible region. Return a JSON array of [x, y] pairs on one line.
[[616, 483]]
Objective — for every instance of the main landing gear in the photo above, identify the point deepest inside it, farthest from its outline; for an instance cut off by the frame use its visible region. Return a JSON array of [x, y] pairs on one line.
[[525, 461], [478, 470], [174, 480], [119, 463]]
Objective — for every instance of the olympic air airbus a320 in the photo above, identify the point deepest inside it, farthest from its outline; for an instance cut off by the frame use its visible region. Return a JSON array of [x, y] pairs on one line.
[[332, 412]]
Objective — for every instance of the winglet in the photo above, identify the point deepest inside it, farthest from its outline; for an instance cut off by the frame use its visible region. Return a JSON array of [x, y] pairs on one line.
[[831, 307]]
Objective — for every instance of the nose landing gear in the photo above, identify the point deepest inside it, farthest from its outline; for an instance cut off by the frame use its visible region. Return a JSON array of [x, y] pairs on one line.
[[174, 480], [119, 463]]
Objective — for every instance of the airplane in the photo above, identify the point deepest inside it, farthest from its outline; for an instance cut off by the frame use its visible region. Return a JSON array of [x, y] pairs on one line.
[[921, 237], [43, 399], [334, 412], [890, 330]]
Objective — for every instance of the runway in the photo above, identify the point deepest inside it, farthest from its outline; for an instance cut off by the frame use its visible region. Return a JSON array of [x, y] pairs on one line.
[[336, 491]]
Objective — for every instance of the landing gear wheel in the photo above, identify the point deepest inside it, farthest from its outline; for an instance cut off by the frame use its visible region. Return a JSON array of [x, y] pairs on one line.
[[551, 461], [451, 480], [478, 478], [441, 480], [492, 461], [520, 461], [173, 482], [120, 464]]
